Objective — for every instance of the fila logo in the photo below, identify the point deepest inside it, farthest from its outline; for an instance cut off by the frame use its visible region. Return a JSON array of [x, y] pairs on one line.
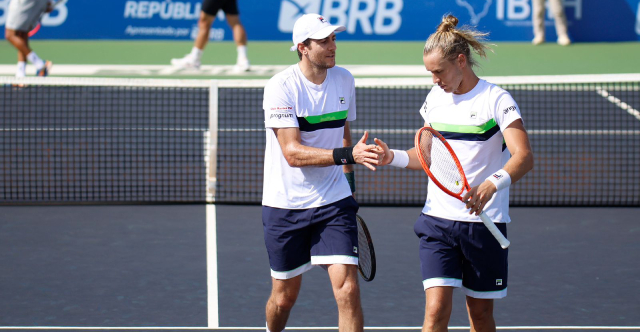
[[474, 115], [321, 19], [355, 249], [498, 282], [497, 176], [341, 100]]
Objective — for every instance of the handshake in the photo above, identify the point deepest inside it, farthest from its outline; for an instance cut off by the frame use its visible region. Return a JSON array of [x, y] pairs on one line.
[[372, 155]]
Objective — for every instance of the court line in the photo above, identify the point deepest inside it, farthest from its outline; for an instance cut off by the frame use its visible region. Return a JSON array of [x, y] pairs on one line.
[[212, 268], [396, 328], [616, 101]]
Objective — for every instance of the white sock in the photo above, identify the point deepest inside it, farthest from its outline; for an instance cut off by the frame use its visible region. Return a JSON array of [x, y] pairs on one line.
[[22, 69], [242, 53], [196, 53], [35, 59]]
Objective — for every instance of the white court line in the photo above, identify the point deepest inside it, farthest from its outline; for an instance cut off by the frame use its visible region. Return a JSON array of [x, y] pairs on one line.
[[628, 328], [212, 268], [624, 106]]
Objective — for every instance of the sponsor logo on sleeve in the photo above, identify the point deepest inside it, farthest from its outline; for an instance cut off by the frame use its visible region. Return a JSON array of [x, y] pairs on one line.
[[342, 100], [509, 109], [281, 116]]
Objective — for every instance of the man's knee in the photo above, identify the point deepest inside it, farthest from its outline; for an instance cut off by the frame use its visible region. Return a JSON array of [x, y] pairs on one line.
[[233, 20], [205, 20], [347, 292], [9, 34], [284, 301], [481, 311], [437, 315]]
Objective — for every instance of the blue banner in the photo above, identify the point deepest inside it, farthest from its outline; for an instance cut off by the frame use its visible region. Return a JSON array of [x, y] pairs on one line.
[[366, 20]]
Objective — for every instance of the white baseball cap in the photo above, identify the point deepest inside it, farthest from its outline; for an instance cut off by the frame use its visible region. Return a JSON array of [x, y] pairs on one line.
[[312, 26]]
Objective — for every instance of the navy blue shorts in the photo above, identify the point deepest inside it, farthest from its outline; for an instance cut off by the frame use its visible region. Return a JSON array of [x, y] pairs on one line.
[[211, 7], [462, 254], [298, 239]]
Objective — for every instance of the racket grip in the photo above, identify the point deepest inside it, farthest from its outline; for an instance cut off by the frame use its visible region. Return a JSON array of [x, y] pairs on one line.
[[504, 243]]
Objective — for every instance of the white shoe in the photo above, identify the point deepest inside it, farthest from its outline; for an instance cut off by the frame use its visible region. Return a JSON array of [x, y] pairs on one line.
[[188, 62], [564, 41], [538, 40], [242, 66]]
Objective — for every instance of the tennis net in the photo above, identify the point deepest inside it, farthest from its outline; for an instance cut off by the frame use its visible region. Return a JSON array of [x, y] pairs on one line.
[[90, 140]]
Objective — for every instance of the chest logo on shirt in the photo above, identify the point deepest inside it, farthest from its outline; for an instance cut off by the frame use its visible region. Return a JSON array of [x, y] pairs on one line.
[[474, 115], [342, 100]]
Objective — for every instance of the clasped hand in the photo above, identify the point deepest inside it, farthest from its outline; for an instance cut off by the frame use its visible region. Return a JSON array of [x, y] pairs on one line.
[[369, 155]]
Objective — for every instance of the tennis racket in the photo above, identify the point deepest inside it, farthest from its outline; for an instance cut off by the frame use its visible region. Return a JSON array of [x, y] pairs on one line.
[[442, 166], [366, 254], [37, 27]]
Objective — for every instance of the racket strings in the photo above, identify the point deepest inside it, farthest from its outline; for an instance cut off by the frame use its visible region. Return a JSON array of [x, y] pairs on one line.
[[441, 163], [364, 256]]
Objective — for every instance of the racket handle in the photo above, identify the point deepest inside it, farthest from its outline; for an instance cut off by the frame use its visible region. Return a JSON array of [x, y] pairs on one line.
[[504, 243]]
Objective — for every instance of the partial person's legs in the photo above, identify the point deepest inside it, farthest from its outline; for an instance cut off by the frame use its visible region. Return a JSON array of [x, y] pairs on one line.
[[204, 27], [240, 38], [344, 280], [538, 22], [560, 21], [21, 45], [193, 59], [439, 302], [481, 315], [284, 294], [20, 40]]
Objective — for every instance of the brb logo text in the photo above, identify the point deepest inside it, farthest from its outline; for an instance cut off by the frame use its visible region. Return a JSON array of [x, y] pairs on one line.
[[372, 17]]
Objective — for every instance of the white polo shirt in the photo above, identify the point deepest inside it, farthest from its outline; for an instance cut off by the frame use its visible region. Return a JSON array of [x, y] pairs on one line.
[[472, 123], [319, 111]]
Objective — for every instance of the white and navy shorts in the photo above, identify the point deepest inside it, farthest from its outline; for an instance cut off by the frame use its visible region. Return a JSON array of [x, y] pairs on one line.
[[462, 254], [298, 239]]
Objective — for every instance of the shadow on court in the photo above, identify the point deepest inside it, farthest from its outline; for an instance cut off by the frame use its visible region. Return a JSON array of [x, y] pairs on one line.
[[145, 266]]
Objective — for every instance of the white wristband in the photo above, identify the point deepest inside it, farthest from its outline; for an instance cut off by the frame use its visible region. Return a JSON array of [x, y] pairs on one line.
[[500, 179], [400, 159]]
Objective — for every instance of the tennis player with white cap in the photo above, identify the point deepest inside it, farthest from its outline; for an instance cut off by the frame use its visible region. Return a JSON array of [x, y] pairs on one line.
[[308, 210]]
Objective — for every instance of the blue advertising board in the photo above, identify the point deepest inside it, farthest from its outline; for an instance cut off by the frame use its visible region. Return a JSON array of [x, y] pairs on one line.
[[366, 20]]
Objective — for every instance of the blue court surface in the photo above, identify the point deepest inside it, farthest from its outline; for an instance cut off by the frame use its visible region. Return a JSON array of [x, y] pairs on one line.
[[145, 267]]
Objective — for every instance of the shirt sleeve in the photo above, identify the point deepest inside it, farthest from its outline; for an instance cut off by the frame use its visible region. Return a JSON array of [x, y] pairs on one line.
[[506, 110], [279, 107]]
